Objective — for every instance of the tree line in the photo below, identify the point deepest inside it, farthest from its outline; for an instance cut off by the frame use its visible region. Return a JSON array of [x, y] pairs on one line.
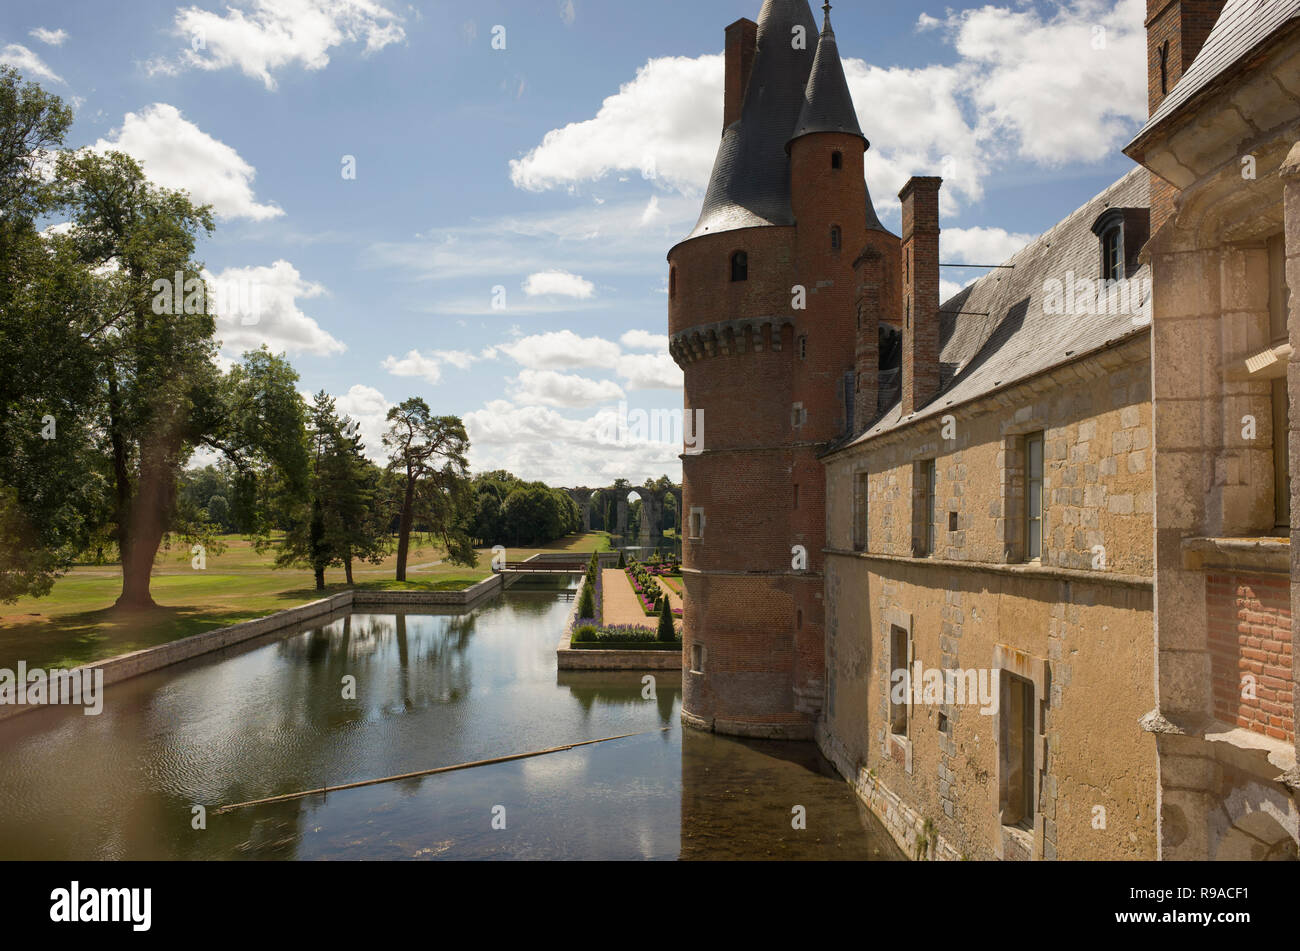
[[106, 396]]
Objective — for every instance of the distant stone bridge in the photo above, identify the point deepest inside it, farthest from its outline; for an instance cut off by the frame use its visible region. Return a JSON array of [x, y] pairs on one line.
[[652, 505]]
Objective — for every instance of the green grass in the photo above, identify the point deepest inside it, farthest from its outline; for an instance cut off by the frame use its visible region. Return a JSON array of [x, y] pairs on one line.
[[77, 623]]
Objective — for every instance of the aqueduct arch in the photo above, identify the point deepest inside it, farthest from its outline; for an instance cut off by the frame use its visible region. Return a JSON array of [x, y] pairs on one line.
[[652, 504]]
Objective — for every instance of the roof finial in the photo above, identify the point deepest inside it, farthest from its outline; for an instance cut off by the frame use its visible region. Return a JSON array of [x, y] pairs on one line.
[[827, 25]]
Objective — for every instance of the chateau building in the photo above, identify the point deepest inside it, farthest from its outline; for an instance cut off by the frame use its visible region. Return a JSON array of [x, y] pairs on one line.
[[1017, 562]]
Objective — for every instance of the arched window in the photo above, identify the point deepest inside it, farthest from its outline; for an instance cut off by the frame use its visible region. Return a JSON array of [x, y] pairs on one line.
[[835, 238], [672, 282], [740, 266], [837, 160]]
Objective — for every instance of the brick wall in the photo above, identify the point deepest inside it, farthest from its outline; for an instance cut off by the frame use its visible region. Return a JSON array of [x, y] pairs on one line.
[[920, 198], [1250, 635]]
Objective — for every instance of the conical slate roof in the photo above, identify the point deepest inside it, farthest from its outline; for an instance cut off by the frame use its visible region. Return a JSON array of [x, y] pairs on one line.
[[750, 185], [791, 92], [828, 106]]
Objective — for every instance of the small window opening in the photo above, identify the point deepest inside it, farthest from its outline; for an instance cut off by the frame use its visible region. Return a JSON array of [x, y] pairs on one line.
[[740, 266], [837, 160], [835, 238]]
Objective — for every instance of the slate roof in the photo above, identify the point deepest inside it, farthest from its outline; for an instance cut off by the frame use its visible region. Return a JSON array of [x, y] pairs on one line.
[[1243, 26], [1019, 339], [750, 183], [827, 104]]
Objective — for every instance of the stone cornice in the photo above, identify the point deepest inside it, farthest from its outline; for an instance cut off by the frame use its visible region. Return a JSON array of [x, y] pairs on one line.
[[1044, 572]]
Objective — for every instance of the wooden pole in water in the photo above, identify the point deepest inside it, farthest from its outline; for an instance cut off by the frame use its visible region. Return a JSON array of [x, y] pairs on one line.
[[427, 772]]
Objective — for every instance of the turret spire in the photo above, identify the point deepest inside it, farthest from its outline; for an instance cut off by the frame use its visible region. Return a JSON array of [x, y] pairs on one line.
[[828, 106]]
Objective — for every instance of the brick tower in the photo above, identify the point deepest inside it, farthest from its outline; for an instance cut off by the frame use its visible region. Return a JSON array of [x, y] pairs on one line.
[[765, 315]]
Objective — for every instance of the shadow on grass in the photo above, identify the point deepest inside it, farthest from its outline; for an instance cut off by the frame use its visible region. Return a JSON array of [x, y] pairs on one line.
[[68, 640]]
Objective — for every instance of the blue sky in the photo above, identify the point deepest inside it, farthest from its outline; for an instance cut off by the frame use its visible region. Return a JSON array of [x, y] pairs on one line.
[[560, 168]]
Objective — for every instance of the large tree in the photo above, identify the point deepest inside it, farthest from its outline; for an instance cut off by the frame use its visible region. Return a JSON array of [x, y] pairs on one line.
[[341, 520], [427, 453]]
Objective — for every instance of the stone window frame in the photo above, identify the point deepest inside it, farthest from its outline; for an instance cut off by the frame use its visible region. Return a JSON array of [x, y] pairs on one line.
[[1012, 464], [690, 524], [861, 509], [925, 533], [1037, 671], [901, 619], [699, 657]]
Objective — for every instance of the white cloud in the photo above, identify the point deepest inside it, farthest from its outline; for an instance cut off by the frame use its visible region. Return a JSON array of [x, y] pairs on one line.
[[568, 13], [428, 367], [369, 408], [27, 63], [561, 350], [664, 124], [560, 283], [549, 446], [1069, 87], [52, 37], [644, 340], [270, 35], [650, 371], [257, 305], [980, 245], [548, 388], [651, 211], [175, 153]]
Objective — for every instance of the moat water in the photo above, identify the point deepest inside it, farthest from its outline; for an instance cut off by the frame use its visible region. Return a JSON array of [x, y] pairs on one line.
[[432, 689]]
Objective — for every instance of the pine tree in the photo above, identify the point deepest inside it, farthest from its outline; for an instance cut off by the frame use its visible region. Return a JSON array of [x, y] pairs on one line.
[[667, 630]]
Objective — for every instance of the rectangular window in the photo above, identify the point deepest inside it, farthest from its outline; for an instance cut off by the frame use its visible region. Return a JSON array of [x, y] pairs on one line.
[[1281, 455], [931, 513], [1279, 297], [796, 495], [697, 659], [1034, 497], [899, 647], [861, 523], [1016, 751], [697, 523]]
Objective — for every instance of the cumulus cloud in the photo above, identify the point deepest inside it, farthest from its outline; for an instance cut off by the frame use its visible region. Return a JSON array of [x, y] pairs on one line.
[[556, 449], [650, 371], [1070, 86], [51, 37], [561, 350], [549, 388], [428, 367], [175, 153], [568, 13], [558, 283], [259, 305], [981, 245], [664, 124], [27, 63], [369, 408], [259, 37], [644, 340]]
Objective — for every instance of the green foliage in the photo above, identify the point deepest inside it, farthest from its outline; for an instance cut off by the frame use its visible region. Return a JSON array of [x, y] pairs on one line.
[[667, 629], [584, 632], [587, 601], [427, 454]]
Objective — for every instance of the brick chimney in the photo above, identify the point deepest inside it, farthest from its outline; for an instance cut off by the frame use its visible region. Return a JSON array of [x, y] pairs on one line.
[[920, 198], [870, 268], [742, 41], [1176, 31]]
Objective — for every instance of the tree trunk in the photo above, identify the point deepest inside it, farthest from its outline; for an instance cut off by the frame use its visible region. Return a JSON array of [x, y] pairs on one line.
[[320, 577], [147, 525], [404, 526], [347, 568]]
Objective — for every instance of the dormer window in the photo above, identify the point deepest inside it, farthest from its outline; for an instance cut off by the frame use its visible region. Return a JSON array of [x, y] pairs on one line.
[[837, 160], [835, 238], [1121, 233], [1112, 254], [740, 266]]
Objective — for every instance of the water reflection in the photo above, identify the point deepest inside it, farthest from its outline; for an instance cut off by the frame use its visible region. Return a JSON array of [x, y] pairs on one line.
[[432, 689]]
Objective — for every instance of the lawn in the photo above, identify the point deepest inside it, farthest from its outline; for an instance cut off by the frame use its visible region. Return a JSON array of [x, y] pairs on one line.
[[76, 624]]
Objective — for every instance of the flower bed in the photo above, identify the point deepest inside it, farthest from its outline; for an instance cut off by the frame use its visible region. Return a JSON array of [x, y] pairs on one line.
[[623, 637], [648, 589]]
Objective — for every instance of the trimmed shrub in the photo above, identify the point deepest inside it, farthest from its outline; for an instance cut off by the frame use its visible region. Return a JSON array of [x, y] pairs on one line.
[[667, 631], [584, 632], [587, 602]]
